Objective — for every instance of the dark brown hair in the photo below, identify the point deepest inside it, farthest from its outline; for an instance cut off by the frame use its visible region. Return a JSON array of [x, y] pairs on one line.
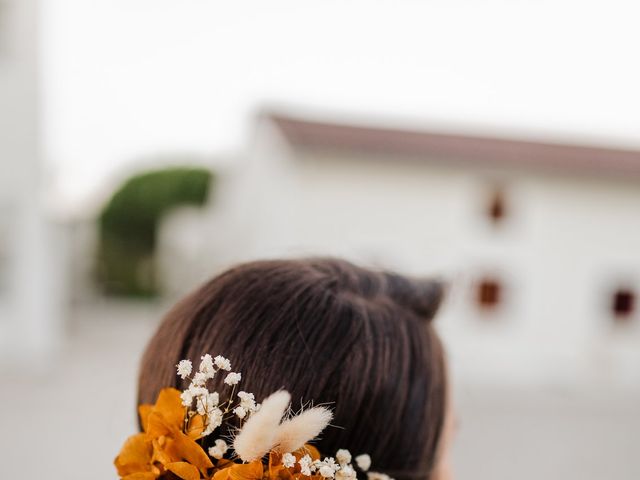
[[328, 332]]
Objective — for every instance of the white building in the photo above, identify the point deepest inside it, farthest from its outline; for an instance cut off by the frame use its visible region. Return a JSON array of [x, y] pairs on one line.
[[30, 289], [539, 241]]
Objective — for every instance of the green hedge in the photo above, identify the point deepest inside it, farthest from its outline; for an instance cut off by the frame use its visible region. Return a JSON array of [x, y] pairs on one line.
[[128, 226]]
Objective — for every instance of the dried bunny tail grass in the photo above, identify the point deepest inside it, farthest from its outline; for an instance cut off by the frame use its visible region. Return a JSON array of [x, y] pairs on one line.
[[258, 435], [293, 433]]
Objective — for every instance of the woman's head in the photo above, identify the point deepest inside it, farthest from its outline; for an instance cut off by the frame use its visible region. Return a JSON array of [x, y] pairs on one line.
[[328, 332]]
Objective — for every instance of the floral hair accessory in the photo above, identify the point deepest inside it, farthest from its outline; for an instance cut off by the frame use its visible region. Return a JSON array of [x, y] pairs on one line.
[[270, 444]]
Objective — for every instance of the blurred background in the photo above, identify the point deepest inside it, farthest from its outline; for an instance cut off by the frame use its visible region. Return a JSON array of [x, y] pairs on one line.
[[147, 145]]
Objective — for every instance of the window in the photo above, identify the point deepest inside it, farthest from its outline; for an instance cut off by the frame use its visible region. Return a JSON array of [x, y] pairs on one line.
[[496, 206], [489, 293], [623, 304]]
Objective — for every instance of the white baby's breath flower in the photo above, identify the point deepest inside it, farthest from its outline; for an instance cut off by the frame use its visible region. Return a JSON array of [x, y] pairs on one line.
[[214, 420], [199, 379], [222, 445], [215, 417], [326, 471], [232, 378], [219, 449], [207, 403], [246, 396], [327, 467], [288, 460], [202, 404], [363, 461], [343, 456], [213, 399], [331, 463], [206, 366], [306, 465], [187, 398], [197, 392], [240, 412], [222, 363], [378, 476], [346, 472], [216, 453], [184, 368], [247, 401]]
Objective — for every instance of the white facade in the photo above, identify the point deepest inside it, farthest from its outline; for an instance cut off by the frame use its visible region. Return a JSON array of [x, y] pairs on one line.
[[566, 242], [29, 289]]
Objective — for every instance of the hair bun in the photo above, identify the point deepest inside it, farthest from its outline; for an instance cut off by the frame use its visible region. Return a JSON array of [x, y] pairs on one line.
[[421, 296]]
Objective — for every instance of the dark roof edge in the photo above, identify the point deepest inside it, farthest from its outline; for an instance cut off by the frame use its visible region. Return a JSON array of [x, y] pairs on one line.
[[312, 134]]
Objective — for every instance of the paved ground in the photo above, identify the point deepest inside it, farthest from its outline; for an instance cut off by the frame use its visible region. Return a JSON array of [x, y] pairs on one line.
[[68, 421], [548, 435]]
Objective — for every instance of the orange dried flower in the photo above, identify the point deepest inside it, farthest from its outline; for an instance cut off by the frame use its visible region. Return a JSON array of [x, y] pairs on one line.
[[271, 442], [163, 446]]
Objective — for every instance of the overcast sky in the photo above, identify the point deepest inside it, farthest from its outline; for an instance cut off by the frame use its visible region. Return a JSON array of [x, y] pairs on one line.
[[127, 79]]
